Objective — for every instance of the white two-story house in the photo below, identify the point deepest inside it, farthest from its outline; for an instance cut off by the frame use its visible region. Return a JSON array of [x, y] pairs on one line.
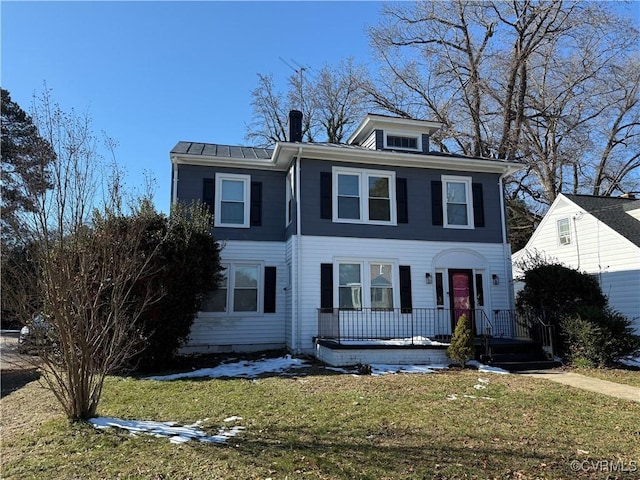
[[372, 243]]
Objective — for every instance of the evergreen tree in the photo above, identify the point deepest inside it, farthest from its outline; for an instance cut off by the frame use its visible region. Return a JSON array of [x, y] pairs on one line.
[[25, 158], [462, 347]]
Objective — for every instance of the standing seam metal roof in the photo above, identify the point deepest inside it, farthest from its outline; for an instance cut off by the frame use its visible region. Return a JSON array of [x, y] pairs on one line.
[[216, 150]]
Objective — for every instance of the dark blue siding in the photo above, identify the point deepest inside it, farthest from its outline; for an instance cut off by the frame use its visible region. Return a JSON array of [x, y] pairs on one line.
[[420, 225], [272, 228]]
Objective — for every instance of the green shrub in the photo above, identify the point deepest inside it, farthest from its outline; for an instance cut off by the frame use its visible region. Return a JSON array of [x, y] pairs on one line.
[[187, 267], [462, 347], [553, 292], [598, 337]]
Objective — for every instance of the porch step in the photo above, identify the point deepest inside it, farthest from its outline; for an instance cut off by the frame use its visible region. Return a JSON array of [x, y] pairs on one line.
[[519, 355], [524, 366]]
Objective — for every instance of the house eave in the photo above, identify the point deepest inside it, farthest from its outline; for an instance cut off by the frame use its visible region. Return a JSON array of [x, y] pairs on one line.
[[386, 158]]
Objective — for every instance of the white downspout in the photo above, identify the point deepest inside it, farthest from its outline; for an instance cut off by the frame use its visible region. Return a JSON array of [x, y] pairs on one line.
[[296, 293], [508, 272], [174, 188]]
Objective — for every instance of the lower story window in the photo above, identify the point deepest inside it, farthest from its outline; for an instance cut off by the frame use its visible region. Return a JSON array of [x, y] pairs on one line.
[[374, 278], [238, 291], [381, 286], [350, 288]]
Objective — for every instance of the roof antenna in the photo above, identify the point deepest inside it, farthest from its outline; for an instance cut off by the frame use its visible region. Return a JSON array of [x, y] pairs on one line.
[[300, 70]]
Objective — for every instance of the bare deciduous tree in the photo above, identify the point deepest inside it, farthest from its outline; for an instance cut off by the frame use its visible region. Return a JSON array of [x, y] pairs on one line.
[[331, 101], [86, 263], [551, 84]]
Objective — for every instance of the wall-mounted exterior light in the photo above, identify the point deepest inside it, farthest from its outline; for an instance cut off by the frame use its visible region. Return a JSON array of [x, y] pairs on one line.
[[428, 278], [495, 279]]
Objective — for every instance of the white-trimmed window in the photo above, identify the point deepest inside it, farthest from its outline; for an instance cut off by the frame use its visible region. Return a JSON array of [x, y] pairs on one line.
[[366, 284], [458, 202], [564, 231], [232, 195], [364, 196], [350, 286], [402, 141], [240, 290]]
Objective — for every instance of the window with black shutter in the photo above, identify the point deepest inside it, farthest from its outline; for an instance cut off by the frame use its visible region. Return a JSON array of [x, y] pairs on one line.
[[208, 197], [478, 205], [402, 201], [406, 303], [436, 202], [269, 289], [326, 287], [256, 204], [325, 195]]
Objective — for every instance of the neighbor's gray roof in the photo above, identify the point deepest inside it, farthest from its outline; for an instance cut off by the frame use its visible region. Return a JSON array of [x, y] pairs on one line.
[[612, 211], [215, 150]]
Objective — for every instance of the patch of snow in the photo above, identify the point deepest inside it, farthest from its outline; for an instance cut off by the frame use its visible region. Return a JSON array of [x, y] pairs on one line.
[[486, 368], [240, 369], [483, 398], [176, 433], [382, 369], [418, 340], [453, 396], [631, 362], [233, 418]]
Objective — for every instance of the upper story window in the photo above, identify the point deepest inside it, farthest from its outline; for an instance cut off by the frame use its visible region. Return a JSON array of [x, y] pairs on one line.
[[457, 201], [402, 142], [564, 231], [364, 196], [232, 200], [410, 143]]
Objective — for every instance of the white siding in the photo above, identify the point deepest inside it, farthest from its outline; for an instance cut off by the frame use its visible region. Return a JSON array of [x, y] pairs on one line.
[[419, 255], [596, 249], [212, 332]]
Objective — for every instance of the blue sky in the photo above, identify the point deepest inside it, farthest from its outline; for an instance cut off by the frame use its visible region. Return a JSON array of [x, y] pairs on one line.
[[153, 73]]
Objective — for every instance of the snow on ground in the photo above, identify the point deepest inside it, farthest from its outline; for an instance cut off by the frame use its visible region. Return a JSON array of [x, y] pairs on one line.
[[176, 433], [631, 362], [382, 369], [419, 340], [486, 368], [241, 369]]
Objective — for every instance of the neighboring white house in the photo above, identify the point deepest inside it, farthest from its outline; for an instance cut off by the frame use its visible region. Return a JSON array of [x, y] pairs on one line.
[[597, 235]]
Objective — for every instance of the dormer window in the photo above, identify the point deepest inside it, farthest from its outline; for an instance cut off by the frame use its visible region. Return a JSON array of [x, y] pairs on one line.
[[405, 143]]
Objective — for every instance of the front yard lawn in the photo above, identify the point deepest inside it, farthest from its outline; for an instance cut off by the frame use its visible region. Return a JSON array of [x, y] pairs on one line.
[[329, 425], [628, 376]]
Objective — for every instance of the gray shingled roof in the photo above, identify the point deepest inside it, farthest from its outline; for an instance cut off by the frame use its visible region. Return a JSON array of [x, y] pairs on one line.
[[612, 212], [215, 150]]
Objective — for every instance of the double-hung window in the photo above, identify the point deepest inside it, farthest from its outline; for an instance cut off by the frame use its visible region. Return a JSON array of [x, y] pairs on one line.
[[457, 201], [365, 284], [564, 231], [364, 196], [350, 286], [239, 290], [232, 200]]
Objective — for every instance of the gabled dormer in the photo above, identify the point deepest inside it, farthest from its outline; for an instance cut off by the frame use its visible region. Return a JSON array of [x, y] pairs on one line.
[[379, 132]]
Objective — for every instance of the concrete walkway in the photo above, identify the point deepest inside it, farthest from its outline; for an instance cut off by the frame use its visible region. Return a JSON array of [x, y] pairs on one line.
[[605, 387]]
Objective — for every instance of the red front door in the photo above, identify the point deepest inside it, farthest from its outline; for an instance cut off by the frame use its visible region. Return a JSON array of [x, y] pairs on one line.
[[461, 295]]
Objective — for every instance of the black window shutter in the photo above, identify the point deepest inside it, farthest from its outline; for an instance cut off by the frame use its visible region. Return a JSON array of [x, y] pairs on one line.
[[269, 289], [256, 204], [406, 304], [326, 286], [478, 205], [436, 202], [325, 195], [401, 196], [208, 194]]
